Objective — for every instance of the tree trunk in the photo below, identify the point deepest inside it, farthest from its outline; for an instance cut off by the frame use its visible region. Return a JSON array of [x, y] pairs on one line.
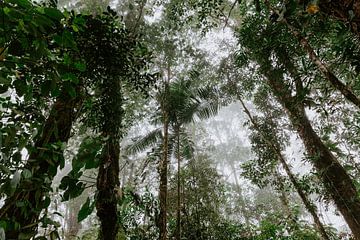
[[108, 182], [44, 163], [335, 178], [163, 168], [307, 203], [108, 185], [178, 210], [283, 198]]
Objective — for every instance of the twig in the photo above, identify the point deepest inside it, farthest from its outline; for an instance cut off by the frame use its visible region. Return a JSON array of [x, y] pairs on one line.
[[231, 9]]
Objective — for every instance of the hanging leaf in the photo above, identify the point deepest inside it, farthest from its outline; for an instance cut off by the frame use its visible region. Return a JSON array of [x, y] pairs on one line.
[[86, 210]]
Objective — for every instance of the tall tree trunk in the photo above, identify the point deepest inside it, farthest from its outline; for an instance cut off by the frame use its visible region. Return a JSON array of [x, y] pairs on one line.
[[273, 145], [44, 163], [163, 165], [178, 210], [335, 178], [108, 182], [163, 168]]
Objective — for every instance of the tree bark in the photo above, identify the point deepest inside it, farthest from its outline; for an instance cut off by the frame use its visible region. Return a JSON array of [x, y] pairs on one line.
[[43, 162], [108, 185], [335, 178]]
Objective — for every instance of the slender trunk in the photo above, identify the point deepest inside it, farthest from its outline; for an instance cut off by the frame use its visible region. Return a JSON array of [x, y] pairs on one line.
[[163, 181], [44, 163], [241, 197], [163, 167], [335, 178], [283, 198], [308, 205], [178, 210], [325, 70]]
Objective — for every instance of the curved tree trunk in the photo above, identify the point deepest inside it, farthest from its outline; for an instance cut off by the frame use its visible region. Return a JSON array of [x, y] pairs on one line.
[[283, 198], [72, 224], [308, 205], [42, 162]]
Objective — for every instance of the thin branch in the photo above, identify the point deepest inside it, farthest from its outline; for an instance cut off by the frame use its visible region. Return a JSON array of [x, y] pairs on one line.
[[231, 9]]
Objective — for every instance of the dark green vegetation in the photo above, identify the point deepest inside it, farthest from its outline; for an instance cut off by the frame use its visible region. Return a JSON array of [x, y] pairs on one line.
[[102, 119]]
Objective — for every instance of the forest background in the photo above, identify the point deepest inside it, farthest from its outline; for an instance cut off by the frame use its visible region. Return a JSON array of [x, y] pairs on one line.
[[169, 119]]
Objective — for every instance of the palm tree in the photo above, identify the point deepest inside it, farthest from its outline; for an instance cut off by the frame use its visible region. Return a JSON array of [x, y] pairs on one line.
[[180, 104]]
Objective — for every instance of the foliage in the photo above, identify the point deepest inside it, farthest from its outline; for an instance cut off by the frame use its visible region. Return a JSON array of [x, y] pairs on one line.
[[93, 68], [138, 215]]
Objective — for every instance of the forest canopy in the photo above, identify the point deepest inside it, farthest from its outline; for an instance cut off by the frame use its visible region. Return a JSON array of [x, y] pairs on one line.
[[169, 119]]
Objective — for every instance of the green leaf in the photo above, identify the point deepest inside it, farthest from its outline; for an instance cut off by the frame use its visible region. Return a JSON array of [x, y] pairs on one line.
[[21, 87], [22, 3], [81, 66], [70, 90], [4, 169], [54, 13], [46, 202], [70, 77], [85, 210], [54, 235], [68, 40], [25, 236], [26, 173]]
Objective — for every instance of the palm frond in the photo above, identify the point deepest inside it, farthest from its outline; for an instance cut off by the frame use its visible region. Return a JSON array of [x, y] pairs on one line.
[[145, 142]]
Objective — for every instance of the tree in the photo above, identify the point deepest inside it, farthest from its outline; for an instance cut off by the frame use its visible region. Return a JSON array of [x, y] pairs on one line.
[[32, 186], [334, 177], [180, 105]]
